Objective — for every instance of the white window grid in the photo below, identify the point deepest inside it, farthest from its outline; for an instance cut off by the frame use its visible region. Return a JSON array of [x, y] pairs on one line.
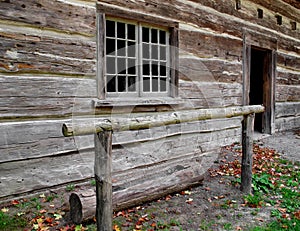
[[155, 82]]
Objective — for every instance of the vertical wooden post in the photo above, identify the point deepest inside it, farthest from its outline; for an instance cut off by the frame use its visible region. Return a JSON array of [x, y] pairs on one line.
[[103, 162], [247, 145]]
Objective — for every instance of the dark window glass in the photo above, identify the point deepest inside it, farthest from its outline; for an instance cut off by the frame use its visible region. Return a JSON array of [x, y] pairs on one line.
[[154, 52], [110, 65], [131, 49], [131, 83], [146, 53], [111, 83], [110, 46], [121, 47], [110, 28], [131, 67], [146, 68], [154, 84], [153, 35], [163, 84], [121, 65], [163, 69], [121, 83], [162, 37], [145, 34], [120, 30], [131, 32], [163, 53], [146, 84], [155, 68]]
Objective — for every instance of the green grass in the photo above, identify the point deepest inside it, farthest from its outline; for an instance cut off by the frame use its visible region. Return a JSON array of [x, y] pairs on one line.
[[11, 223]]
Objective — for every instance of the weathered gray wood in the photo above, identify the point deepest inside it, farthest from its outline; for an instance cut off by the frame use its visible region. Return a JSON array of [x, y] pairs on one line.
[[138, 162], [103, 171], [68, 16], [101, 51], [285, 109], [247, 160], [287, 123], [119, 124], [287, 93]]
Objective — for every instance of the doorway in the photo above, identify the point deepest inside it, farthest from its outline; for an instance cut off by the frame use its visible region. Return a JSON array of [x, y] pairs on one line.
[[261, 90]]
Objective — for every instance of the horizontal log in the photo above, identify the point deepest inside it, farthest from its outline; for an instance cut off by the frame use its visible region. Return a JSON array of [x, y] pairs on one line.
[[163, 119], [69, 16], [286, 93], [131, 173], [287, 109]]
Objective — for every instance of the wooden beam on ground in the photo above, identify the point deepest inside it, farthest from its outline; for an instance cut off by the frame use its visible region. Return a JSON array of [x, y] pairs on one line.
[[247, 145]]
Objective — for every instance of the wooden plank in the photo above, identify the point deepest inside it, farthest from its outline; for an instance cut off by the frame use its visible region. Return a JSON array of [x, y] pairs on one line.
[[286, 93], [45, 96], [287, 123], [211, 45], [210, 70], [22, 52], [68, 16], [285, 109]]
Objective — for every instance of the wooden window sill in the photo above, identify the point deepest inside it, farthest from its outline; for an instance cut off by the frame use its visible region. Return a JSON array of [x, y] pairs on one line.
[[124, 102]]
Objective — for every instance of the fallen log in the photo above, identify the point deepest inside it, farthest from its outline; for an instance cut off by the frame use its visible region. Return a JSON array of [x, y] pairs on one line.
[[83, 203]]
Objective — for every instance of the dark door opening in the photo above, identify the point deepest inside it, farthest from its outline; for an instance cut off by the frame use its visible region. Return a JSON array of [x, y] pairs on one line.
[[260, 88]]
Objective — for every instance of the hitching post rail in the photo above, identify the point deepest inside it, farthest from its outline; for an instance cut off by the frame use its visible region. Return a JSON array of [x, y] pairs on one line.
[[103, 128]]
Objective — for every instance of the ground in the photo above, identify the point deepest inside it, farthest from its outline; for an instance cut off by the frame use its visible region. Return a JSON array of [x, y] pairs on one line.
[[217, 204]]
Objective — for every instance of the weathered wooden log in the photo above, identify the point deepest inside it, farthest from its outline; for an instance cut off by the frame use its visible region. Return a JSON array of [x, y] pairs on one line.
[[103, 165], [247, 160], [156, 120], [82, 206]]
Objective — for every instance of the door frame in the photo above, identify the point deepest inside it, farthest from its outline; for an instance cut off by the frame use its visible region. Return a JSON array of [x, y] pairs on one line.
[[254, 39]]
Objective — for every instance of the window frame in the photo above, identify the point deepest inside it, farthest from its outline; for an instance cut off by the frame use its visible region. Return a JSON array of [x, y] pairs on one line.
[[105, 11]]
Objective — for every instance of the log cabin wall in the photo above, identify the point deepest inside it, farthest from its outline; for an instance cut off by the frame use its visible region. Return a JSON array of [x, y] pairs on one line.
[[47, 77]]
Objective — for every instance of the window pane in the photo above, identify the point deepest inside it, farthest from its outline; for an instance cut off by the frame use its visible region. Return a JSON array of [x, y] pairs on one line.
[[162, 37], [155, 68], [146, 53], [146, 68], [154, 84], [131, 32], [132, 83], [121, 47], [145, 34], [131, 49], [121, 83], [111, 83], [120, 30], [153, 35], [163, 53], [146, 84], [110, 46], [110, 28], [163, 84], [163, 69], [131, 67], [121, 65], [154, 50], [110, 65]]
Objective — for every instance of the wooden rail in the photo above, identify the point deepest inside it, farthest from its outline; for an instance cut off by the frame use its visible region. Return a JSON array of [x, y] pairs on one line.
[[103, 128], [156, 120]]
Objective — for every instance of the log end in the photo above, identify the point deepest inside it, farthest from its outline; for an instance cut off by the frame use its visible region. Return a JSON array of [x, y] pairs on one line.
[[75, 209]]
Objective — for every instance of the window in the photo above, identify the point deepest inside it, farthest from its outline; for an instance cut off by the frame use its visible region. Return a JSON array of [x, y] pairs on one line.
[[137, 56]]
